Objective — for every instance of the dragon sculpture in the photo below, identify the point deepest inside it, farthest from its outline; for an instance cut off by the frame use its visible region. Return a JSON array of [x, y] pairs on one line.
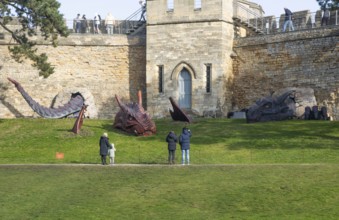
[[80, 120], [315, 114], [177, 113], [272, 108], [133, 119], [287, 103], [73, 106]]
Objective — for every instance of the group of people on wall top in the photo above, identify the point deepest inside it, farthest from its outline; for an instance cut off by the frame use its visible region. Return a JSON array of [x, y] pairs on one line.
[[108, 149], [288, 19], [82, 25]]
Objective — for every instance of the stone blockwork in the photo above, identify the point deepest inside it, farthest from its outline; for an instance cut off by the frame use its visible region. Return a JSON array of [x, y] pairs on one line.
[[103, 65], [187, 38], [264, 64]]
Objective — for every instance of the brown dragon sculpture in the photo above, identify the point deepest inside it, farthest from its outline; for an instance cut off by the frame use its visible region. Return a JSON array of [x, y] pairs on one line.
[[133, 119]]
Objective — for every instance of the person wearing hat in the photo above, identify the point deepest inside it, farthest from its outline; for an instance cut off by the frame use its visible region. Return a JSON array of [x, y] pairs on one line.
[[104, 146]]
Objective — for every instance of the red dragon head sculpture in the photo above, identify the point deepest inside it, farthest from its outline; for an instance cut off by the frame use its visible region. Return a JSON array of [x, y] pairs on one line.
[[133, 119]]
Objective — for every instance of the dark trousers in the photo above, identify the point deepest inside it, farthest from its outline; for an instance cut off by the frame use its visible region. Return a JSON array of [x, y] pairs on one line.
[[324, 20], [103, 159], [142, 16], [171, 156]]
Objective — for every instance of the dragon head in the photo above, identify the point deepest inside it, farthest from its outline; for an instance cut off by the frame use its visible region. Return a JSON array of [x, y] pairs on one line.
[[133, 119], [272, 108]]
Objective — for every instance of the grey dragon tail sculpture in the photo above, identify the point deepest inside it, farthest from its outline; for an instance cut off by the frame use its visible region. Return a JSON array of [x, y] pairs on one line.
[[73, 106]]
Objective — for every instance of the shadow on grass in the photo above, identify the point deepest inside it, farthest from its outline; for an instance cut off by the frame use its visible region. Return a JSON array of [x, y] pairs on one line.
[[236, 134]]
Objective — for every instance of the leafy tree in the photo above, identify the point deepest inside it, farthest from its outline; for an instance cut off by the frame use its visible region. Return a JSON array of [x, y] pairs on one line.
[[35, 17], [328, 3]]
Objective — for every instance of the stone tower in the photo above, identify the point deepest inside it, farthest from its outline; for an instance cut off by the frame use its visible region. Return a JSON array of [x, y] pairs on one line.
[[189, 47]]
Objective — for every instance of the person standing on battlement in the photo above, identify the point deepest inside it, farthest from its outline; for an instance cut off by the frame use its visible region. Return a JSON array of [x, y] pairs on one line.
[[288, 20], [96, 23], [84, 24], [77, 21], [326, 17], [109, 22], [143, 10]]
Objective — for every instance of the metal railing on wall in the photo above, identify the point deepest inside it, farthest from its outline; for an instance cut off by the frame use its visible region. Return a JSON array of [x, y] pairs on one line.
[[248, 17], [258, 24], [119, 26], [303, 21]]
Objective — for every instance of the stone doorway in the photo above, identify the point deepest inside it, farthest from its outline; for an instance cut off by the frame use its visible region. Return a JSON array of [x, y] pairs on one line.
[[185, 89]]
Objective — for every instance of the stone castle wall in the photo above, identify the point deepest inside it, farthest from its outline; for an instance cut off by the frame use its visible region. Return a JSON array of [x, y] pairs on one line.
[[188, 38], [298, 59], [244, 69], [99, 64]]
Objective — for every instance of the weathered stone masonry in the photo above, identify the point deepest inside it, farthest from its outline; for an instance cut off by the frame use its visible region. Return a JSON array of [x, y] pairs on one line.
[[299, 59], [243, 69], [102, 65]]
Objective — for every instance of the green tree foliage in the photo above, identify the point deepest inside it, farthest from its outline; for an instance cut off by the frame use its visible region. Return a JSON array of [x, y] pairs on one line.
[[328, 4], [34, 17]]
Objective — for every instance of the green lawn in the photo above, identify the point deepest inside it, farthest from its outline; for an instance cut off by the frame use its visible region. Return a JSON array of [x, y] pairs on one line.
[[276, 170], [170, 192], [30, 141]]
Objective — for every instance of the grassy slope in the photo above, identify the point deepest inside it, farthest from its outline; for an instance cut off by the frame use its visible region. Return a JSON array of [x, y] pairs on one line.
[[213, 142], [170, 192], [270, 180]]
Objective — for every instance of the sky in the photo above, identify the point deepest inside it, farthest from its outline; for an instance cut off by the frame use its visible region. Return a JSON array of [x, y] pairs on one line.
[[276, 7], [121, 9]]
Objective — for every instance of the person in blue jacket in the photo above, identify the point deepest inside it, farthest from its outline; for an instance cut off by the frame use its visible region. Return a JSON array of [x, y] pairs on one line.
[[184, 141]]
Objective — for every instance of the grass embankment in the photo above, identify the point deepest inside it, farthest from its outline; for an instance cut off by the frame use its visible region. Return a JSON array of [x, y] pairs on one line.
[[27, 141], [278, 170], [170, 192]]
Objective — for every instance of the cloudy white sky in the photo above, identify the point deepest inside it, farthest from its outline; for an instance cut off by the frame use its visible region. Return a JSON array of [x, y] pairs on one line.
[[121, 9]]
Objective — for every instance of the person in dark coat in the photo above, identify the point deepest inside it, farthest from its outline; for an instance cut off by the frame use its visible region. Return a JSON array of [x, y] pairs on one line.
[[184, 141], [326, 17], [288, 20], [104, 146], [172, 140]]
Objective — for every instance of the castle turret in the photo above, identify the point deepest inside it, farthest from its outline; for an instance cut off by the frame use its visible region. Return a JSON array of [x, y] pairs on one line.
[[189, 47]]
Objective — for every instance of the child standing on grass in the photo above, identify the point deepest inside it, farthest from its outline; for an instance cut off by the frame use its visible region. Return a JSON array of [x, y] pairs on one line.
[[111, 154]]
